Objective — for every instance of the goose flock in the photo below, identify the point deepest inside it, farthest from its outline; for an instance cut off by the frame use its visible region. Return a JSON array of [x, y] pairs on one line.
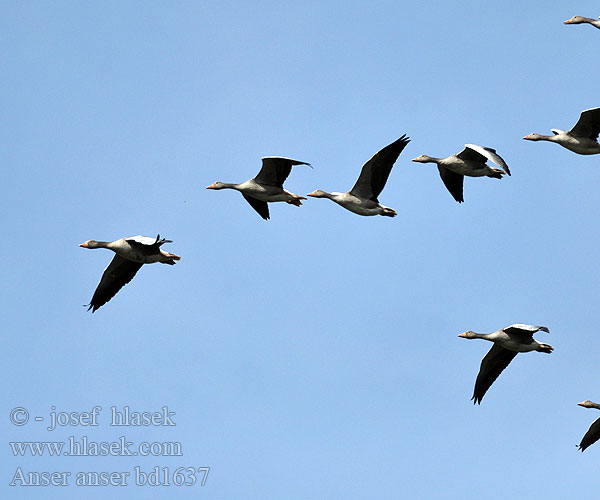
[[131, 253]]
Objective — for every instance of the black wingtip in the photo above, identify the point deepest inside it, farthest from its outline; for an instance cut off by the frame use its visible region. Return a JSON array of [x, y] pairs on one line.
[[298, 162], [476, 400], [160, 242]]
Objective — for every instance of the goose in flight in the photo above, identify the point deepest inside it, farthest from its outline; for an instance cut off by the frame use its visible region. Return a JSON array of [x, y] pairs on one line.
[[582, 20], [131, 253], [362, 198], [581, 139], [593, 433], [471, 161], [508, 342], [267, 186]]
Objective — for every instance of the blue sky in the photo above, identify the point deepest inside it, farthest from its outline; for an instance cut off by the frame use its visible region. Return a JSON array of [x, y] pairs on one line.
[[314, 355]]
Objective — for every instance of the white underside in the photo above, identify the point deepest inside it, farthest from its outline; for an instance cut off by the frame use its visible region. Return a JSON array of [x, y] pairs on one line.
[[268, 193], [356, 205], [460, 167], [581, 146]]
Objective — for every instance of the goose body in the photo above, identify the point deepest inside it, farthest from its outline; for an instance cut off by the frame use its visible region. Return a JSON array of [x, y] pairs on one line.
[[581, 139], [508, 342], [593, 433], [356, 204], [131, 253], [582, 20], [362, 199], [470, 162], [267, 186]]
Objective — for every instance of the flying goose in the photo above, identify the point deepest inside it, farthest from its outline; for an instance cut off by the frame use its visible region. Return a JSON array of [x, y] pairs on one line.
[[581, 139], [362, 198], [267, 186], [131, 253], [471, 161], [593, 433], [582, 20], [508, 342]]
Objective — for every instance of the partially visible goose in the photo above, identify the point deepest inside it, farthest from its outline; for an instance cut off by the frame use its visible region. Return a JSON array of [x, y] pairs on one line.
[[581, 20], [593, 433], [581, 139], [131, 253], [267, 186], [508, 342], [471, 161], [362, 198]]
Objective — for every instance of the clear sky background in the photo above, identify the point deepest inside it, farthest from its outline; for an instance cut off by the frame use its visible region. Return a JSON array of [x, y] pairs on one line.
[[314, 355]]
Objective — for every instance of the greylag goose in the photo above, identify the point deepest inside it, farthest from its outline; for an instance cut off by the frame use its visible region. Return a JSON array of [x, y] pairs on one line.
[[471, 161], [131, 253], [582, 20], [267, 186], [593, 433], [362, 198], [581, 139], [508, 342]]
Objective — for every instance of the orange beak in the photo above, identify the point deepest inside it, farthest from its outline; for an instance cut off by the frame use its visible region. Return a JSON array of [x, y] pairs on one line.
[[212, 186], [84, 245], [462, 335]]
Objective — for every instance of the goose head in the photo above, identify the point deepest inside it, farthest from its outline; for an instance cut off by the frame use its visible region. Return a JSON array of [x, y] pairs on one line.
[[533, 137], [575, 20], [424, 159], [95, 244], [318, 194]]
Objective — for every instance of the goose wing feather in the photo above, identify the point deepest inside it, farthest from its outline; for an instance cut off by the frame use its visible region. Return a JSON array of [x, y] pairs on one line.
[[375, 172], [117, 274], [147, 245], [492, 365], [453, 182], [490, 154], [525, 330], [591, 436], [143, 240], [260, 206], [588, 124], [275, 170], [470, 155]]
